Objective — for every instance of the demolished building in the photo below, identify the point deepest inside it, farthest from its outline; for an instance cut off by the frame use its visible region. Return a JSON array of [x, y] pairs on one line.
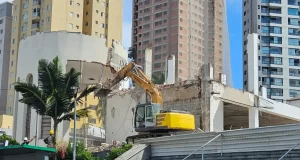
[[215, 106]]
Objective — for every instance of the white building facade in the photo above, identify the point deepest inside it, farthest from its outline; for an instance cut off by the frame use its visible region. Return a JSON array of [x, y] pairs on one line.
[[277, 24], [67, 46]]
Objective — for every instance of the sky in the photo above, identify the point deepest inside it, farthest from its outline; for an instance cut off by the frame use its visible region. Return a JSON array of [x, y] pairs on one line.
[[234, 18]]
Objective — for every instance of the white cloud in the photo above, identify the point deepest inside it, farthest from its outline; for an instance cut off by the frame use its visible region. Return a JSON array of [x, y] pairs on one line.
[[126, 37]]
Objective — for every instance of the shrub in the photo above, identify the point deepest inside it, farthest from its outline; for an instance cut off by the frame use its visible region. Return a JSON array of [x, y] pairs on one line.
[[10, 140], [116, 152]]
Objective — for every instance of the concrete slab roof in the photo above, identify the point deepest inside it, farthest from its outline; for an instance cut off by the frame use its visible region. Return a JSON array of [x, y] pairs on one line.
[[23, 149]]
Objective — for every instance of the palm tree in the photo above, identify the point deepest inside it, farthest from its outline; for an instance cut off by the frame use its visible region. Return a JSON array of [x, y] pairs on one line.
[[53, 96]]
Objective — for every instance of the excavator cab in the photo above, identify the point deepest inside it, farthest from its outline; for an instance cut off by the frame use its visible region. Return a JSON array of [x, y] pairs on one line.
[[145, 116]]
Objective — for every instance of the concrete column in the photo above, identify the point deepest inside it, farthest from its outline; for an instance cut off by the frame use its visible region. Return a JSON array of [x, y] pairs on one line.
[[148, 62], [253, 117], [170, 75], [252, 49], [216, 115]]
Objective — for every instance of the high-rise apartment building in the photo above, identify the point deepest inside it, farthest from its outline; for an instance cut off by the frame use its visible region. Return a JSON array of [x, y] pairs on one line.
[[277, 24], [5, 35], [99, 18], [192, 30]]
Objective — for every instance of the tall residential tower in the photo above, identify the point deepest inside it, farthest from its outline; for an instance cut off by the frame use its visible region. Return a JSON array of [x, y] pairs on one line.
[[192, 30], [277, 24], [99, 18], [5, 34]]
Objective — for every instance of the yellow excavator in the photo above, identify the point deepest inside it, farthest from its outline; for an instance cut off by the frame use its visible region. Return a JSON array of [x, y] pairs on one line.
[[149, 119]]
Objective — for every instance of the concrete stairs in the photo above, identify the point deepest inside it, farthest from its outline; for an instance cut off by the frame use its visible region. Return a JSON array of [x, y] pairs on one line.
[[263, 155]]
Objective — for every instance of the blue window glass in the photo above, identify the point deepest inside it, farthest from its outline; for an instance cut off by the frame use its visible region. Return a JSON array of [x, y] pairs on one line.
[[293, 11], [294, 93], [293, 42], [265, 50], [293, 31], [271, 1], [293, 21], [265, 29], [275, 50], [276, 30], [293, 2], [292, 51]]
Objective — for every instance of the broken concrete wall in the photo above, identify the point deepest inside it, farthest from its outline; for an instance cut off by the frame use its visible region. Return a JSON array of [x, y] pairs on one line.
[[119, 117]]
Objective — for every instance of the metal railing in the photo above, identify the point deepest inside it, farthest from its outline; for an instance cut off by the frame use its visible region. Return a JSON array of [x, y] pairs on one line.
[[289, 150], [202, 147]]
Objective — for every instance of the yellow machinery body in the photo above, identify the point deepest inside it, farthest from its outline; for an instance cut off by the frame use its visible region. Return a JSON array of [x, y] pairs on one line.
[[175, 121]]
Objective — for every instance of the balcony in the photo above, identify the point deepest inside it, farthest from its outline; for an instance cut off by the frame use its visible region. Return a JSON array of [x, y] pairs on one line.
[[294, 62], [268, 10], [269, 19], [294, 52], [272, 71], [294, 93], [35, 27], [294, 72], [272, 81], [271, 1], [36, 3]]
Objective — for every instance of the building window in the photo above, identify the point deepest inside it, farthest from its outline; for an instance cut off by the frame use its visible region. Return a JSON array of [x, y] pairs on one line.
[[293, 11], [77, 15], [77, 27], [13, 41], [103, 25], [48, 7], [1, 21], [102, 14], [96, 22], [86, 23], [71, 14], [71, 3], [12, 52], [11, 86], [12, 63], [9, 109], [92, 120], [96, 33], [48, 19], [78, 4], [87, 1], [15, 18], [11, 74], [10, 97], [86, 13], [70, 25], [97, 11]]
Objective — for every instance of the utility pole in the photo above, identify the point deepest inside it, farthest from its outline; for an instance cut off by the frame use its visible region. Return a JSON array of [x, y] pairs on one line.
[[75, 90]]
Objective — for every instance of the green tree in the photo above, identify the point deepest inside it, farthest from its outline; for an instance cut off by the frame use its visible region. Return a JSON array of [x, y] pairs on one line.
[[54, 95], [11, 141], [158, 78]]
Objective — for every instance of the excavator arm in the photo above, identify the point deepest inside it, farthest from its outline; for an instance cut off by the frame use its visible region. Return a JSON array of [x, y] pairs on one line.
[[136, 74]]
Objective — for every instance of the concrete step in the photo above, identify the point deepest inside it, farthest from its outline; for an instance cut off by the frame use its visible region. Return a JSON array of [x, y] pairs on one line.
[[266, 155]]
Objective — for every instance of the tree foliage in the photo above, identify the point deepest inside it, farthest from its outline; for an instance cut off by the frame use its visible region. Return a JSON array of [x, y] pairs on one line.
[[11, 141], [53, 96], [81, 153], [158, 78], [116, 152]]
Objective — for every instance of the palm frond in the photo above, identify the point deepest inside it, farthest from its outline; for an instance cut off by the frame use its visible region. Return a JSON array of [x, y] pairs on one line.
[[70, 79], [83, 94], [79, 114], [32, 96]]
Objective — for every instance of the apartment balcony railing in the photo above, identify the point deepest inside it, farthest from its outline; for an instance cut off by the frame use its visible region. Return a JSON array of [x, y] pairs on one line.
[[275, 93], [294, 85], [271, 1], [273, 83], [270, 21], [271, 72], [294, 64], [294, 74], [267, 10]]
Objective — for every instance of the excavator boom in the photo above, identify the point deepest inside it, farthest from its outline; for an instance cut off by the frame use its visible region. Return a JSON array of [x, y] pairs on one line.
[[131, 70]]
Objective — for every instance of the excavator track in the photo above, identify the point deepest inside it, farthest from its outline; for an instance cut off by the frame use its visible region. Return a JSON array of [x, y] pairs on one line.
[[144, 135]]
